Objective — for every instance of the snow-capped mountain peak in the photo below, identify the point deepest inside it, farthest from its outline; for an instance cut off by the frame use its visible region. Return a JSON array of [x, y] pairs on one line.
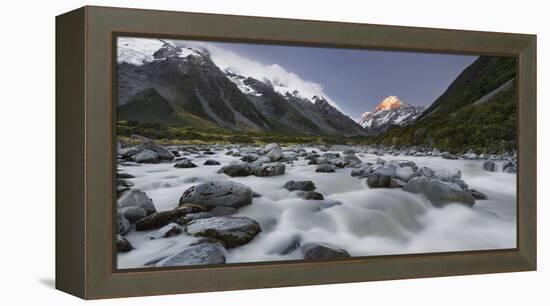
[[391, 111], [391, 102]]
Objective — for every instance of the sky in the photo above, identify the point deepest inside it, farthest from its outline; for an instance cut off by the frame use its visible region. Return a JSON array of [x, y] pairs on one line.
[[355, 80]]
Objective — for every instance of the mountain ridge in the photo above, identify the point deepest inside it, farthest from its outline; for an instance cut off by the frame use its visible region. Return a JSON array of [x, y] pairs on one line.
[[193, 84]]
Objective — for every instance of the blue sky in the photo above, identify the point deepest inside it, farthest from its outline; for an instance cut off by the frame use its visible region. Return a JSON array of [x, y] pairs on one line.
[[357, 80]]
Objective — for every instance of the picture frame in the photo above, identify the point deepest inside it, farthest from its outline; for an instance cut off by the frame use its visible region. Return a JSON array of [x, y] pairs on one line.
[[86, 142]]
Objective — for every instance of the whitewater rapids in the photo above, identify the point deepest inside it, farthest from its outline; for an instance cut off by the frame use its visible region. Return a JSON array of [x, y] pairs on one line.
[[368, 222]]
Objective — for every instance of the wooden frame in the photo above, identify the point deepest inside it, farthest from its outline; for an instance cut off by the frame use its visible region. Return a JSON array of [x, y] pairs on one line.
[[85, 146]]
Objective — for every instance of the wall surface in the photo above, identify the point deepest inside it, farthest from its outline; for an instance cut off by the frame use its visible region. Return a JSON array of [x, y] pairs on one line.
[[27, 154]]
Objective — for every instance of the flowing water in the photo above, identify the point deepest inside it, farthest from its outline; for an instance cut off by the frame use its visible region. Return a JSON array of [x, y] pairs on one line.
[[367, 222]]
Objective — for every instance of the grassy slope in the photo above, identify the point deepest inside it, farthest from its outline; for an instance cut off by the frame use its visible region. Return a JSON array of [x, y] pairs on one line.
[[480, 78]]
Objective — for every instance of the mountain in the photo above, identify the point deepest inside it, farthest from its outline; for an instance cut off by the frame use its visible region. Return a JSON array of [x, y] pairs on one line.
[[391, 111], [161, 82], [477, 111], [483, 76]]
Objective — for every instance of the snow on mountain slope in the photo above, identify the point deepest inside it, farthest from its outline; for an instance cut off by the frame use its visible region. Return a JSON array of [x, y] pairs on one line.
[[138, 51], [391, 111]]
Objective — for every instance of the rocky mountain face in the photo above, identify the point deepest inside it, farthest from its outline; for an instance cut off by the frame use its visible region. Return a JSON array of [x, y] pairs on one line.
[[391, 111], [191, 90]]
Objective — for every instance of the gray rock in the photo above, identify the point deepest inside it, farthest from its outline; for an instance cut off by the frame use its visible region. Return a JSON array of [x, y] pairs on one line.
[[211, 162], [162, 152], [218, 193], [447, 155], [233, 231], [124, 175], [439, 192], [478, 195], [185, 163], [489, 165], [123, 225], [425, 171], [146, 157], [361, 171], [271, 169], [322, 251], [138, 198], [325, 168], [235, 170], [166, 231], [219, 211], [274, 154], [378, 180], [199, 254], [347, 161], [300, 185], [509, 167], [396, 183], [133, 213], [160, 219], [312, 195], [270, 146], [249, 158], [194, 216], [123, 245], [404, 173], [128, 152]]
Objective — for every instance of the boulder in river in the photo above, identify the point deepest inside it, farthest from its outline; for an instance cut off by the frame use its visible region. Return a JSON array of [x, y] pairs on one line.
[[439, 192], [146, 157], [185, 163], [123, 245], [509, 167], [162, 152], [347, 161], [379, 180], [322, 251], [199, 254], [268, 147], [235, 170], [233, 231], [325, 168], [123, 225], [133, 213], [478, 194], [312, 195], [166, 231], [271, 169], [194, 216], [274, 154], [223, 211], [211, 162], [300, 185], [160, 219], [127, 153], [218, 193], [489, 165], [138, 198]]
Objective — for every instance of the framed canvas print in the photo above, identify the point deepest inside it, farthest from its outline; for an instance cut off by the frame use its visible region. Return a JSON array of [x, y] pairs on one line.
[[200, 152]]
